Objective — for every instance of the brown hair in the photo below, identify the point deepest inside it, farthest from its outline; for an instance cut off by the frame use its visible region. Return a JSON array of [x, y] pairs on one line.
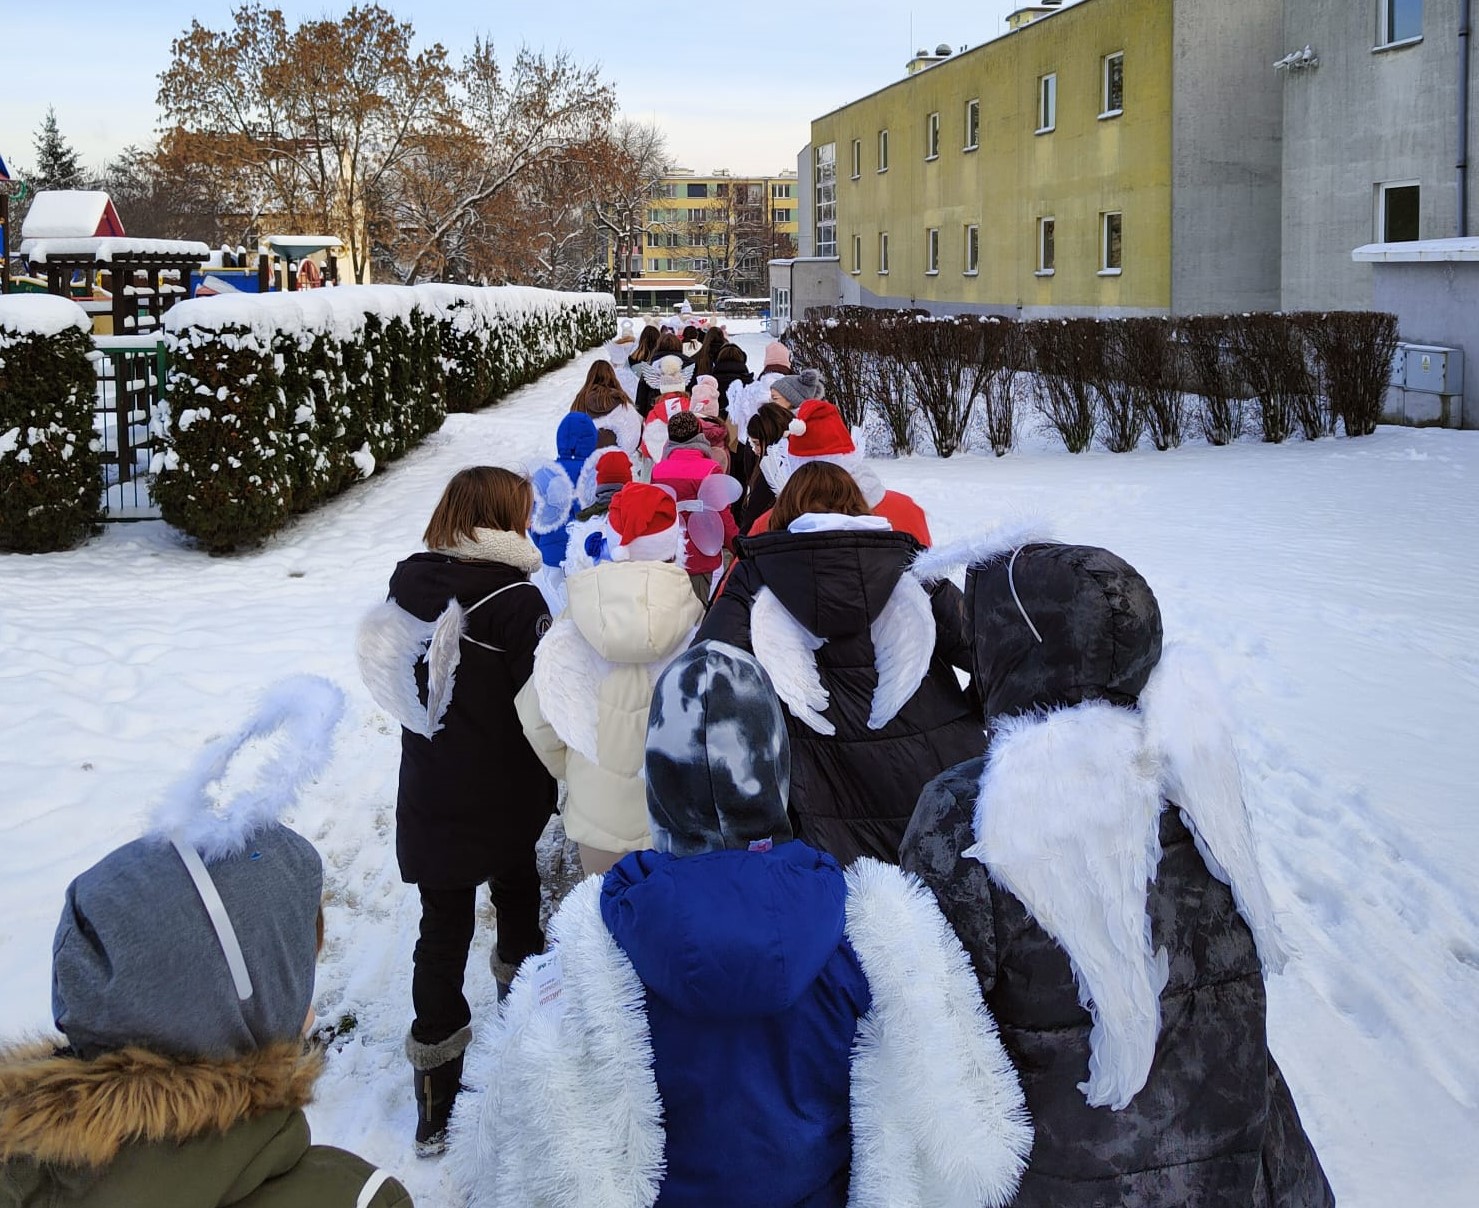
[[713, 342], [487, 497], [818, 486], [683, 426], [768, 425], [646, 342], [668, 343], [602, 391]]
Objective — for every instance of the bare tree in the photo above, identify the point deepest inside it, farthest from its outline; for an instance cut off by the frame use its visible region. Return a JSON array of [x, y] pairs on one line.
[[639, 162]]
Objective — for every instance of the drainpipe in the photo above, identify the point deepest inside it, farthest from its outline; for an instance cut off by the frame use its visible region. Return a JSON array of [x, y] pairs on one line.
[[1465, 31]]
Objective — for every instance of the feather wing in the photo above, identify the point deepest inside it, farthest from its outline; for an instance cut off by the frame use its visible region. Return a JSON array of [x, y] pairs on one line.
[[567, 678], [788, 652], [388, 645], [903, 644], [554, 495], [442, 659], [1188, 728]]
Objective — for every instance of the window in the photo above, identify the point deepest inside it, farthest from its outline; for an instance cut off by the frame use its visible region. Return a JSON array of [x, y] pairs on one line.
[[826, 200], [932, 136], [1397, 209], [698, 190], [857, 253], [656, 215], [883, 150], [972, 125], [932, 252], [1111, 229], [1114, 85], [972, 250], [883, 254], [780, 303], [663, 190], [1045, 258], [1047, 104], [698, 215], [780, 192], [1400, 21], [857, 158], [785, 216]]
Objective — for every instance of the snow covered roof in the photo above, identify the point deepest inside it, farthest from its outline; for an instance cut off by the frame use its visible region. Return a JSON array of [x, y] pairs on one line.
[[1418, 251], [106, 250], [41, 314], [302, 244], [71, 214]]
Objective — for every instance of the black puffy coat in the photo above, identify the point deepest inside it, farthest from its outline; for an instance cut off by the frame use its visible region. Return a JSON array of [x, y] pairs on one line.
[[1215, 1124], [726, 373], [852, 793], [475, 794]]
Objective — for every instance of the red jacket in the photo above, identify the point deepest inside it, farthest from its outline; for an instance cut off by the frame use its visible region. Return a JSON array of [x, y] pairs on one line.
[[898, 509], [683, 469]]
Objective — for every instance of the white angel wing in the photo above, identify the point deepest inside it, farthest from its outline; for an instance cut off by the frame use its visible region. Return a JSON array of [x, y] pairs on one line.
[[1188, 729], [554, 494], [567, 678], [388, 645], [788, 653], [442, 659], [776, 465], [903, 644]]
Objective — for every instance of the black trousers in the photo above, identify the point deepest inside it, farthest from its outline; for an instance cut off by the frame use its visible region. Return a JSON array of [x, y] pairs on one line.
[[448, 918]]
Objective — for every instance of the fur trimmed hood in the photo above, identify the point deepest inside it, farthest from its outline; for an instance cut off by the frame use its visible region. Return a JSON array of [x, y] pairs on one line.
[[58, 1109]]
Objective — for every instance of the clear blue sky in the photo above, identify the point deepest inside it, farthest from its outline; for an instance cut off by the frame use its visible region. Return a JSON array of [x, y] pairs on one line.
[[733, 85]]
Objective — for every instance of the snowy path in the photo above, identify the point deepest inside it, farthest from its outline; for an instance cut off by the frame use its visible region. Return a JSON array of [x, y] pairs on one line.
[[1336, 584]]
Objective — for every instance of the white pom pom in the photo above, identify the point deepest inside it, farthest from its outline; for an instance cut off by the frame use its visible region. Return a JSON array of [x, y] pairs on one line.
[[797, 427]]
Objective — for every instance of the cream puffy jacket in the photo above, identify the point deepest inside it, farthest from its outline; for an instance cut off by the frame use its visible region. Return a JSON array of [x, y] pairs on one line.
[[584, 710]]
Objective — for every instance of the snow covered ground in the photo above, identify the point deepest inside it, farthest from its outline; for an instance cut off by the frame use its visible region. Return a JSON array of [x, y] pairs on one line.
[[1336, 583]]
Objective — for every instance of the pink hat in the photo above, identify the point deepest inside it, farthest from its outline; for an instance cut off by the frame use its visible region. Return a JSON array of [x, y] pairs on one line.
[[705, 396], [777, 353]]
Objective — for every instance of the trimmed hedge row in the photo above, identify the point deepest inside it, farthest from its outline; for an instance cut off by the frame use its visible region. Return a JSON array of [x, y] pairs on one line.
[[278, 402], [50, 472], [944, 384]]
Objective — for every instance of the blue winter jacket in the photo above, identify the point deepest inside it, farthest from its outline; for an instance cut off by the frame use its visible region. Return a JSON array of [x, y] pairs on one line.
[[575, 441], [753, 998]]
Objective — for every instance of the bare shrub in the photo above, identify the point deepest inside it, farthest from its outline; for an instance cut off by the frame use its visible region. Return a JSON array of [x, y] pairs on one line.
[[1067, 353], [1151, 356], [1354, 351], [999, 348], [1121, 403], [1270, 357], [888, 388], [1205, 342], [944, 367]]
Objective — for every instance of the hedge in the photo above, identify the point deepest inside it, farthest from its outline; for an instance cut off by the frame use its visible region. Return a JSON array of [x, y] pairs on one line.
[[278, 402], [50, 472], [919, 382]]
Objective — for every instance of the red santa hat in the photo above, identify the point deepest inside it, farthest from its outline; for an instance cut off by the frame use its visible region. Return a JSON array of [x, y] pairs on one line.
[[613, 466], [818, 432], [644, 520]]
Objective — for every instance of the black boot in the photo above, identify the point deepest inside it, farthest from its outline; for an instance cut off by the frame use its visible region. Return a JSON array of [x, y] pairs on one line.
[[437, 1070]]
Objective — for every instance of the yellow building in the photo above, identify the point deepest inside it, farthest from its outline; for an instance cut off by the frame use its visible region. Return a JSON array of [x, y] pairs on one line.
[[707, 238], [1110, 156]]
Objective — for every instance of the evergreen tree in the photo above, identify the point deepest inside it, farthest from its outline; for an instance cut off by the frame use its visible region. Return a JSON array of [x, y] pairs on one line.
[[57, 164]]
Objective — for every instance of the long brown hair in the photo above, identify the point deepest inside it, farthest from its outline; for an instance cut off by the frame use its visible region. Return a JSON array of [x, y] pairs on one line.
[[668, 344], [818, 486], [487, 497], [601, 380], [646, 342], [709, 352]]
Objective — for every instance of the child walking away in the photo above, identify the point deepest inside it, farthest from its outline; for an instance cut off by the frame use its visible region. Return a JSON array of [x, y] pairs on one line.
[[613, 471], [585, 709], [732, 1020], [704, 402], [605, 400], [182, 980], [670, 383], [575, 442], [817, 434], [745, 400], [862, 654], [652, 380], [688, 465], [445, 657], [767, 430], [1099, 866]]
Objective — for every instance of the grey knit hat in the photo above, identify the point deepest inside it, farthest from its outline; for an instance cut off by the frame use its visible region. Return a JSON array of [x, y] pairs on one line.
[[799, 387], [199, 939], [718, 755]]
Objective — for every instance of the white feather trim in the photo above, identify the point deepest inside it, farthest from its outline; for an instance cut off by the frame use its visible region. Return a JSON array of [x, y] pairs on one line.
[[585, 482], [388, 645], [625, 423], [933, 565], [576, 557], [776, 465], [938, 1117], [1068, 822], [1188, 729], [787, 651], [567, 679], [443, 656], [563, 1107], [903, 644], [301, 712]]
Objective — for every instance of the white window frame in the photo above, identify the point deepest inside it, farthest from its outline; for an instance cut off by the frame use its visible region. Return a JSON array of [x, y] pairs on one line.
[[1047, 103], [1384, 38], [883, 151], [1105, 268], [1381, 205], [1043, 268], [857, 255], [973, 117], [857, 158], [824, 200], [932, 137], [972, 250], [1106, 111], [883, 253], [932, 252]]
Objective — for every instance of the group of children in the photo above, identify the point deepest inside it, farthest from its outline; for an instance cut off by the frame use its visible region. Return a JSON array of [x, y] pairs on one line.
[[852, 933]]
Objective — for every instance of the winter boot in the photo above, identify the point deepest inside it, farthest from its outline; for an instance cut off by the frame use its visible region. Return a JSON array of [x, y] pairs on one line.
[[437, 1071]]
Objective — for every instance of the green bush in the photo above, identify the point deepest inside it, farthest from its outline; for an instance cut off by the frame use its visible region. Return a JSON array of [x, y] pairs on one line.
[[50, 473]]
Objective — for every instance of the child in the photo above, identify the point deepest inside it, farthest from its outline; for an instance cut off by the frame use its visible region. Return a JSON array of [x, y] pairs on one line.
[[690, 460]]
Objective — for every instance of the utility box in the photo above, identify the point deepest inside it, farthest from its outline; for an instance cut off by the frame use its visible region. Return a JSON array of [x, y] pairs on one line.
[[1427, 387], [1430, 369]]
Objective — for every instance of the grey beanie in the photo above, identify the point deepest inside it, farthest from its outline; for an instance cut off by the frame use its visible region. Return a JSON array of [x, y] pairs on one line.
[[797, 388], [718, 755]]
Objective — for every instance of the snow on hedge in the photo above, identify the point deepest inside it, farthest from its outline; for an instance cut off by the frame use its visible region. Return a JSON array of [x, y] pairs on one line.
[[279, 401], [41, 315]]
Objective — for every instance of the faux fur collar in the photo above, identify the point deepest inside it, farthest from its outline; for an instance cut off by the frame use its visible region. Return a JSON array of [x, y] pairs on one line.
[[61, 1110], [496, 545]]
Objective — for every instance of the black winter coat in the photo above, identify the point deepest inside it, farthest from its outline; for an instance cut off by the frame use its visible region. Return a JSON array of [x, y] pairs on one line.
[[1215, 1124], [852, 793], [475, 795], [726, 373]]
